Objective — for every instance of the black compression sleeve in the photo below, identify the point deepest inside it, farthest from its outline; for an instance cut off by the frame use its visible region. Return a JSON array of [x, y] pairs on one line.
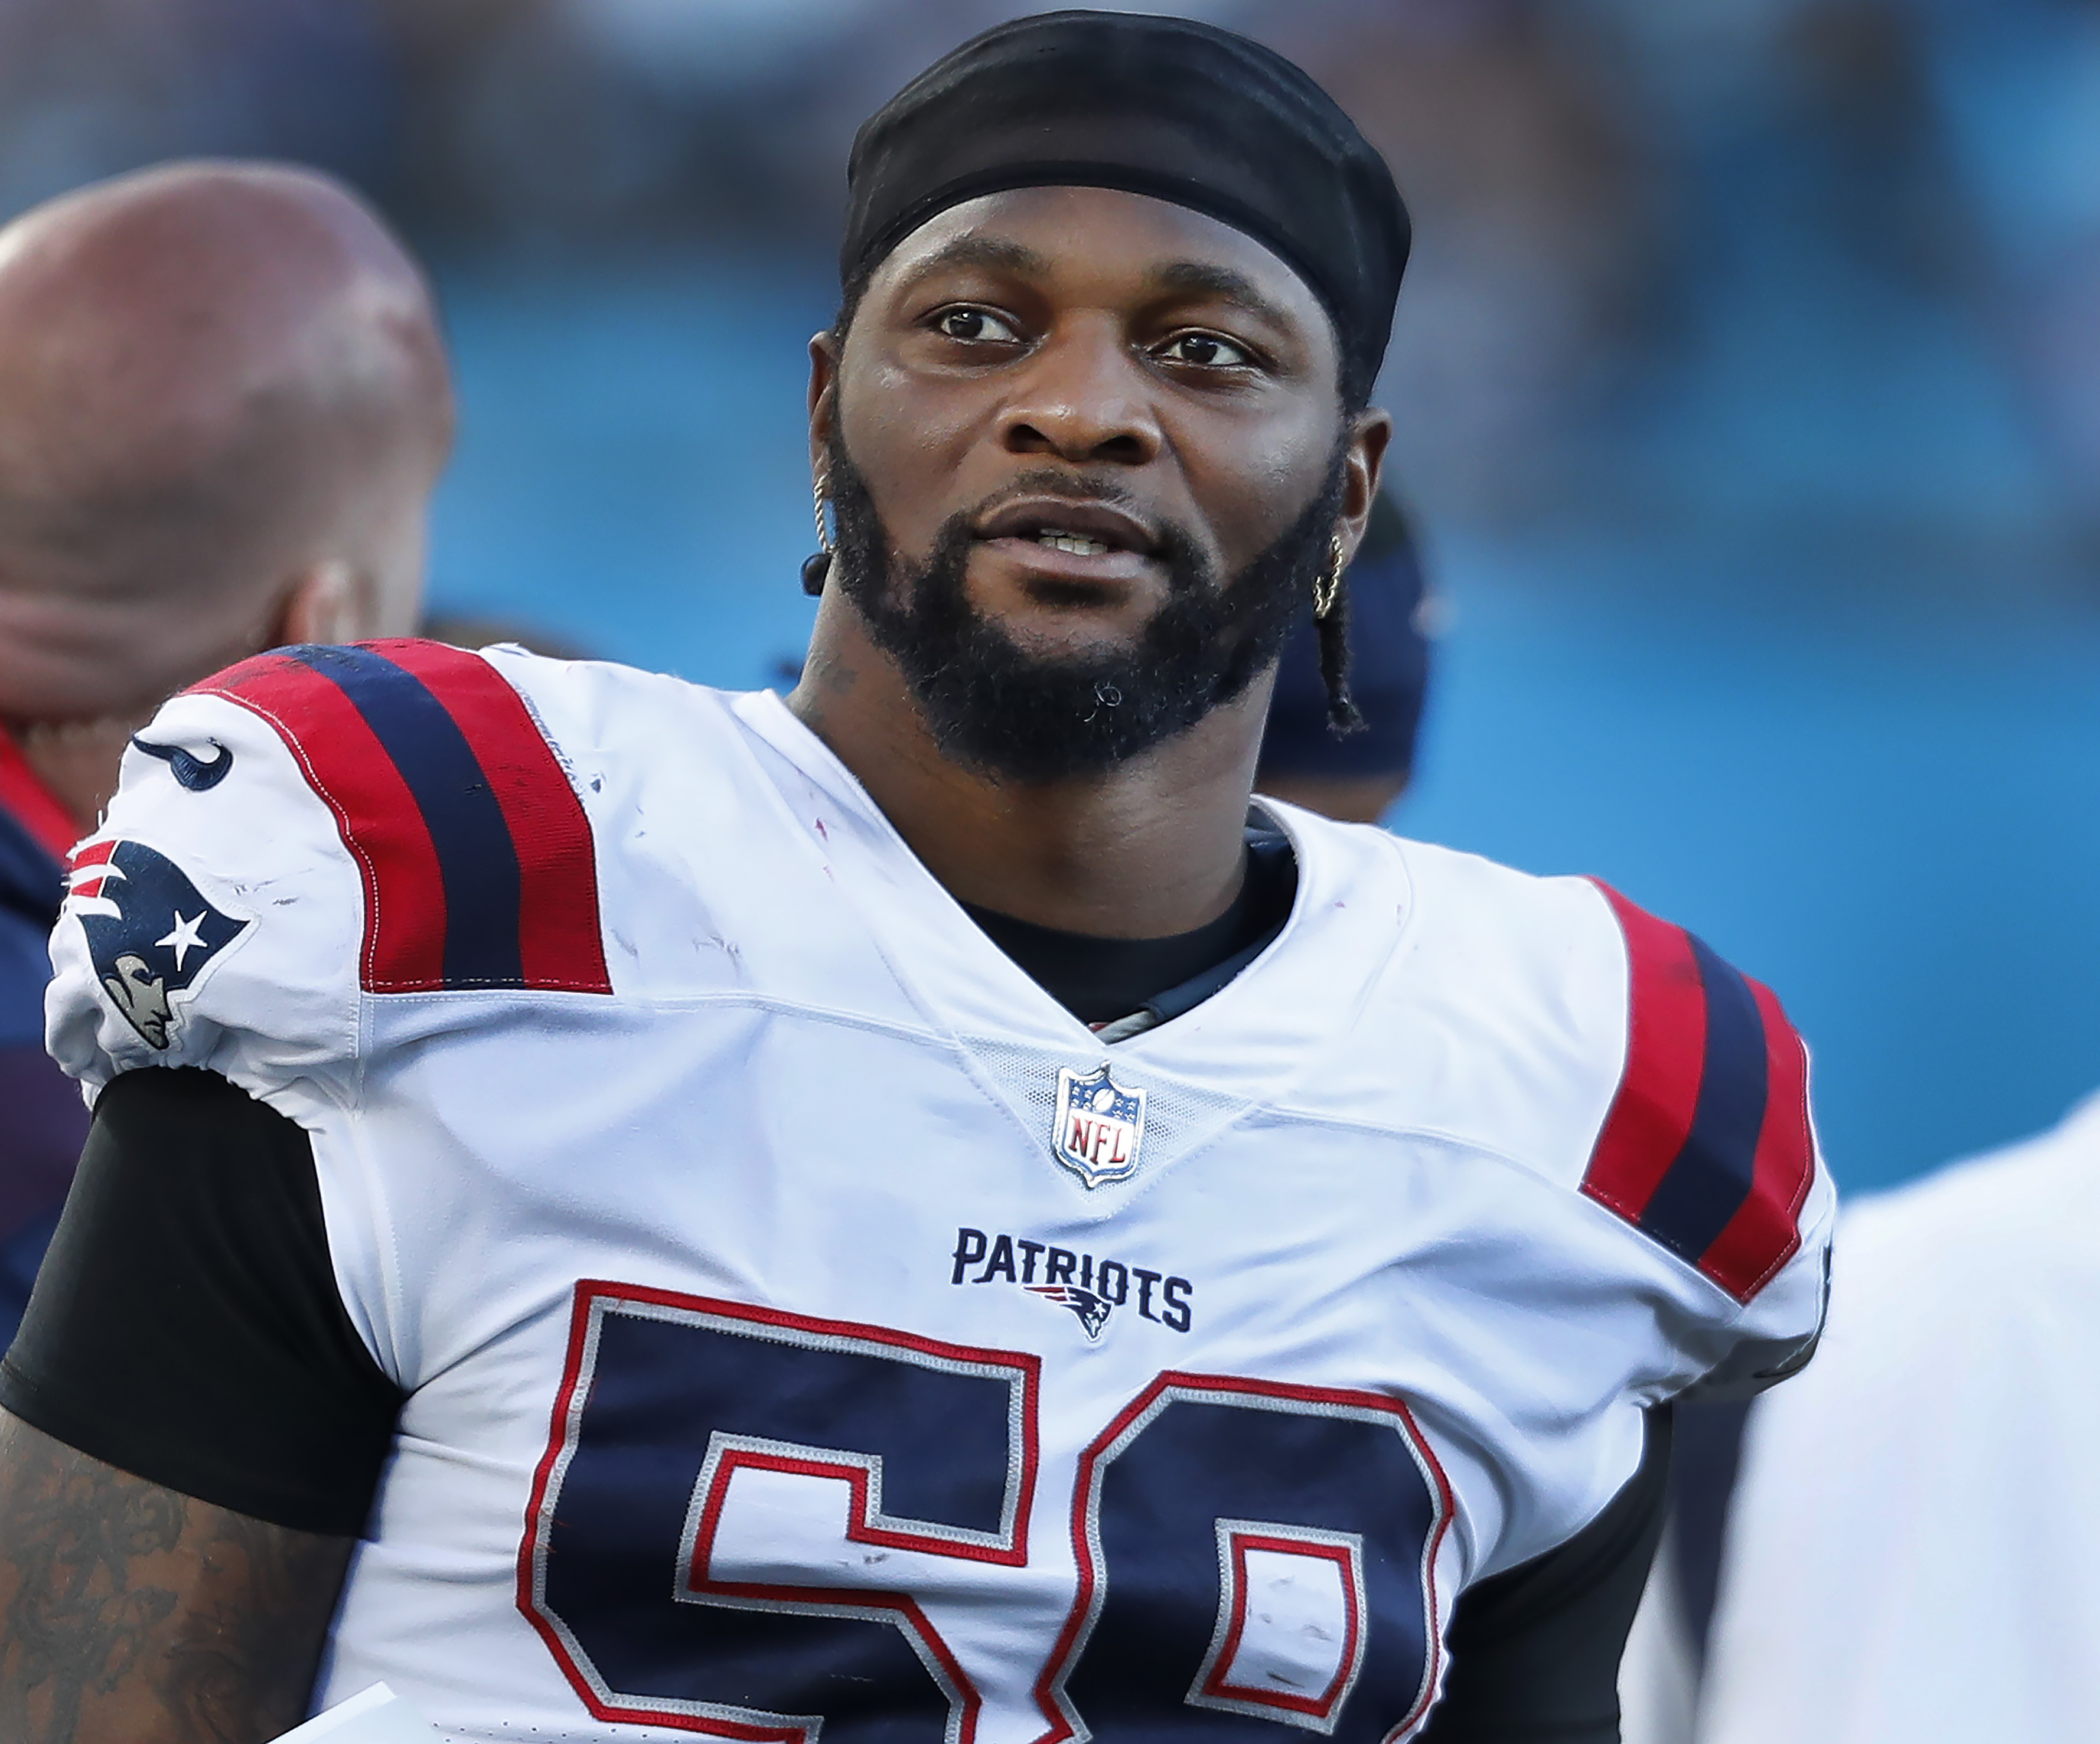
[[1535, 1650], [185, 1327]]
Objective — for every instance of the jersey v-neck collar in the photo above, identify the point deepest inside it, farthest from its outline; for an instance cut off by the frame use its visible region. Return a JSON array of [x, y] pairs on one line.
[[1251, 1038]]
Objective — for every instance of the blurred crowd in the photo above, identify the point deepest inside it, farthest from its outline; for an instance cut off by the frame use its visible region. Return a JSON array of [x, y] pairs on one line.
[[1672, 257], [1621, 205]]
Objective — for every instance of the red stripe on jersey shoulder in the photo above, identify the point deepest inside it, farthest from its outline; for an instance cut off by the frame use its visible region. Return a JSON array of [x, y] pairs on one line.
[[1658, 1093], [1766, 1232], [375, 812], [560, 943]]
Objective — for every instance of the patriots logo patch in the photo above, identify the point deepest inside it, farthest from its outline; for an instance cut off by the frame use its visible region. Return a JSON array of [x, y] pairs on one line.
[[1093, 1310], [1091, 1288], [150, 931]]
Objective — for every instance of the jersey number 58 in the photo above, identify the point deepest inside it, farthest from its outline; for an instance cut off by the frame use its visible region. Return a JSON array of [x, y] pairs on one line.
[[758, 1525]]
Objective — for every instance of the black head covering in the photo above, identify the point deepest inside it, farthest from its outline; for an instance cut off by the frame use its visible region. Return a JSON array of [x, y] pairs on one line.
[[1182, 111]]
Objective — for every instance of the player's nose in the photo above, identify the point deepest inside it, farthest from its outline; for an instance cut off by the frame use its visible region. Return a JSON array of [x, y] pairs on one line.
[[1083, 398]]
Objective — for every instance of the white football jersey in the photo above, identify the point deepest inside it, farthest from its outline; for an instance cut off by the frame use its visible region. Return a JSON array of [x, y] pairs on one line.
[[807, 1324]]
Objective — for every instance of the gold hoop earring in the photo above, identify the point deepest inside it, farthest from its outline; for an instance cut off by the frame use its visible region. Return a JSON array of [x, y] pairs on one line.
[[819, 494], [817, 567], [1328, 588]]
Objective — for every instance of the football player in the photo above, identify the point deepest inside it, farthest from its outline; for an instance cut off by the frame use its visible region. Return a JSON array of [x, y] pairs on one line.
[[222, 405], [908, 1213]]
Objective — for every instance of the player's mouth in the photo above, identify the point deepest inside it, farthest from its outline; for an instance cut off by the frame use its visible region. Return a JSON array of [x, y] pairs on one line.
[[1066, 540]]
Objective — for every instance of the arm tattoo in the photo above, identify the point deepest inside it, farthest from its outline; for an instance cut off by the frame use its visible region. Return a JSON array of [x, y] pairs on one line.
[[76, 1619], [130, 1614]]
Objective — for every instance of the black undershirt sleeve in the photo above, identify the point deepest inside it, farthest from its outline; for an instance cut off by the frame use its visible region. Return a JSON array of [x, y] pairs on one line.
[[1535, 1650], [185, 1327]]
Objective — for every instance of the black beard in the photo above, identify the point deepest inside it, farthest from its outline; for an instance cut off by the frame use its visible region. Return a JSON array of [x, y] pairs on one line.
[[1033, 717]]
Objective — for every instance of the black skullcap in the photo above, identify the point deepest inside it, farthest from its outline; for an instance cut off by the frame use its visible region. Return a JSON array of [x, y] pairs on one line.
[[1182, 111]]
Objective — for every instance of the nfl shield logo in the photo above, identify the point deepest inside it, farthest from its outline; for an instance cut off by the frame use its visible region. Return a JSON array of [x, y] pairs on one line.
[[1100, 1126]]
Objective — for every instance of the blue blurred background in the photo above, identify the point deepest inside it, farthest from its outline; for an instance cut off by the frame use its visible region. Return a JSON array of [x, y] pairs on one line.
[[1748, 381]]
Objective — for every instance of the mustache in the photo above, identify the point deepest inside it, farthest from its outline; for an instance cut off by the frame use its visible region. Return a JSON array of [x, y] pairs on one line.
[[1177, 548], [1057, 480], [1071, 487]]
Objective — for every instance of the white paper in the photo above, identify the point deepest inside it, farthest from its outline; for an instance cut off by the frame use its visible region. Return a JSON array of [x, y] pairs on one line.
[[372, 1716]]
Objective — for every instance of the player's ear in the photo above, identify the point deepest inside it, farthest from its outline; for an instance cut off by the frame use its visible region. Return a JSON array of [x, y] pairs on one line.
[[823, 394], [1370, 433]]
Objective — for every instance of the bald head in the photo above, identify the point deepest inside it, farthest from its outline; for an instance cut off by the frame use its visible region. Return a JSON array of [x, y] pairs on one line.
[[223, 402]]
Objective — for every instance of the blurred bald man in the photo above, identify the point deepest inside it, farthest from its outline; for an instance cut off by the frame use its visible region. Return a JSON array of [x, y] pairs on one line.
[[223, 402]]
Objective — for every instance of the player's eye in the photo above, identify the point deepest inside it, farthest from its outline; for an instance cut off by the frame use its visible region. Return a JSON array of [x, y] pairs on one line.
[[974, 327], [1203, 351]]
